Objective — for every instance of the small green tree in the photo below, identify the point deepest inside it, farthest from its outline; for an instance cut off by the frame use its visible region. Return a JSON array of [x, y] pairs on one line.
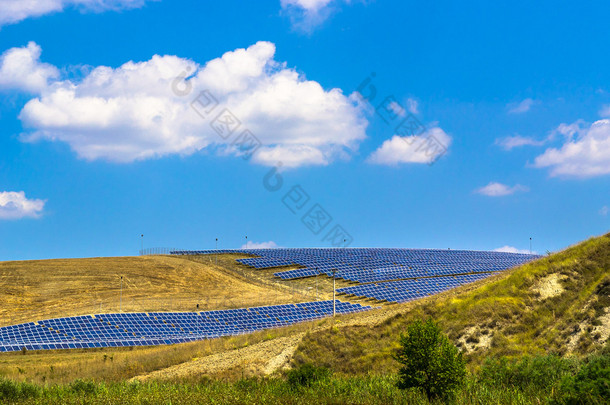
[[430, 361]]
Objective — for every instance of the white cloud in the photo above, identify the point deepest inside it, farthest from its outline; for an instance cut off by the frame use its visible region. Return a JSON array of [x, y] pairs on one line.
[[14, 205], [564, 130], [13, 11], [494, 189], [522, 107], [604, 112], [604, 211], [412, 106], [511, 249], [262, 245], [397, 108], [305, 15], [20, 68], [425, 148], [131, 113], [517, 141], [585, 153]]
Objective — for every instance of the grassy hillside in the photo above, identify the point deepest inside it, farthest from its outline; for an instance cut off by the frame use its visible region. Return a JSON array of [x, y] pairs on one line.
[[33, 290], [558, 304]]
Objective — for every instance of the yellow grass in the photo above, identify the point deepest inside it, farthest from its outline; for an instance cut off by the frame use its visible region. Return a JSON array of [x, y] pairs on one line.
[[34, 290]]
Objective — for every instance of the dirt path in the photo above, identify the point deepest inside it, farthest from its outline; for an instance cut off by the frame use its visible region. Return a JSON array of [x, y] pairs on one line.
[[263, 358]]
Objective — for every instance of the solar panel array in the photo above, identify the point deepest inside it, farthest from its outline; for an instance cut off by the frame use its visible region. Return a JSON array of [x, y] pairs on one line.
[[408, 290], [151, 329], [419, 273], [366, 265]]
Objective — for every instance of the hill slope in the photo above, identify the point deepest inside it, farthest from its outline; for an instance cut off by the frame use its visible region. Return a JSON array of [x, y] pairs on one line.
[[33, 290], [558, 304]]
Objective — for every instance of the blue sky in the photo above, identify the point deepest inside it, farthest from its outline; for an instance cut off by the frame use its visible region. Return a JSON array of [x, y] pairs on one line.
[[176, 120]]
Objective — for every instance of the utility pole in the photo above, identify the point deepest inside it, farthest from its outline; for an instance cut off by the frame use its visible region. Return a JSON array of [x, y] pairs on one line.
[[334, 293], [121, 296], [317, 274]]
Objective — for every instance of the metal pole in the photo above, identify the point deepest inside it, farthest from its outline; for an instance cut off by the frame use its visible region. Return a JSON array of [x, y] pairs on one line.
[[142, 245], [121, 296], [246, 241], [334, 293], [216, 251], [530, 246], [317, 274]]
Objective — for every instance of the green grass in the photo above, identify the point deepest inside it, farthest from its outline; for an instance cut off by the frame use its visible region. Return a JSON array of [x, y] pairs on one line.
[[527, 380], [335, 390]]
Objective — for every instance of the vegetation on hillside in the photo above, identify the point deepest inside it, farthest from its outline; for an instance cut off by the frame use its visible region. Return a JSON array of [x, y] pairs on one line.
[[506, 316], [429, 361], [530, 380]]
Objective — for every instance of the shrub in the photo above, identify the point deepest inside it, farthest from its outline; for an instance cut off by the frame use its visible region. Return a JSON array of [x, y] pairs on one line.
[[591, 385], [430, 361], [9, 390], [537, 373], [12, 391], [306, 374], [28, 390], [83, 387]]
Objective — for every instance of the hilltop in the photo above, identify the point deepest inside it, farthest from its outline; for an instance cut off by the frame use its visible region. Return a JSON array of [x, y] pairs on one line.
[[33, 290]]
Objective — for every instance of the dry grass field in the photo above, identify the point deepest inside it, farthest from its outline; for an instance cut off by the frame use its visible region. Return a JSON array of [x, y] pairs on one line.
[[34, 290]]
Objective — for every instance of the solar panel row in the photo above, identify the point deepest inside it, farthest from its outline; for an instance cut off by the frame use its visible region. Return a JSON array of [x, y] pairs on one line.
[[146, 329], [407, 290], [366, 265]]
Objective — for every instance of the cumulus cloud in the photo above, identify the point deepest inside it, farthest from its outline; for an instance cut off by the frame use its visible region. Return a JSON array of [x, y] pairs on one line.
[[142, 110], [585, 153], [262, 245], [494, 189], [305, 15], [511, 142], [14, 205], [511, 249], [424, 148], [522, 107], [21, 69], [13, 11], [605, 111]]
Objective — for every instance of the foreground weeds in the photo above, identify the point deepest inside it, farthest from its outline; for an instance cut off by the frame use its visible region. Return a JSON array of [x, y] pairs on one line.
[[529, 380], [335, 390]]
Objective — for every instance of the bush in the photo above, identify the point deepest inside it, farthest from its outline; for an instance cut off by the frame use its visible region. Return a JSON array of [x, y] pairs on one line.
[[9, 390], [28, 390], [591, 385], [528, 373], [430, 361], [12, 391], [306, 374], [83, 387]]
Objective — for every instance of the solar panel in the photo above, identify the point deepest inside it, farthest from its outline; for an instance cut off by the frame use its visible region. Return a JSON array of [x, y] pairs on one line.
[[367, 265], [149, 329]]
